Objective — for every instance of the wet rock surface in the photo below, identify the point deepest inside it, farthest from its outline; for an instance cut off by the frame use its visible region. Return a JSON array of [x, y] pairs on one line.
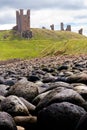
[[44, 92]]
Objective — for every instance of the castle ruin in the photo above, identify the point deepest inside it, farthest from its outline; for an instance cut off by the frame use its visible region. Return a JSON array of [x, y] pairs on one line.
[[62, 26], [23, 23], [52, 27], [80, 31], [68, 28]]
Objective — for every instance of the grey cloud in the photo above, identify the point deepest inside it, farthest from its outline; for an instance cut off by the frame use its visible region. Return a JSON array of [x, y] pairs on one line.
[[38, 4], [6, 19], [81, 17]]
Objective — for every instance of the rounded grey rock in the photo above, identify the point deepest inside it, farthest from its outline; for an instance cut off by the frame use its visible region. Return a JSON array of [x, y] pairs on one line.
[[7, 122], [14, 106], [59, 116]]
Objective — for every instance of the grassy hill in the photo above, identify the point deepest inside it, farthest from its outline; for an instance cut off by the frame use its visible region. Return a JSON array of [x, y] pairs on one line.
[[44, 42]]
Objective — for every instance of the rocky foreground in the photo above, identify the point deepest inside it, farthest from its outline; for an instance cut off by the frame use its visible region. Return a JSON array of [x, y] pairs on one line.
[[44, 93]]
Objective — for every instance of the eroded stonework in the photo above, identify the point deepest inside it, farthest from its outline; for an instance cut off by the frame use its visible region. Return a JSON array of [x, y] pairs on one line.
[[23, 21], [80, 31], [62, 26], [52, 27]]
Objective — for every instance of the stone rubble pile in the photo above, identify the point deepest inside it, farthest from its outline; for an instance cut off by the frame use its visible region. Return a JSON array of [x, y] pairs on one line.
[[48, 93]]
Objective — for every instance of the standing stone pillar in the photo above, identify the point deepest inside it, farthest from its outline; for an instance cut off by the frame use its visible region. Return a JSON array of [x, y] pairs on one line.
[[52, 27], [80, 31], [62, 26], [68, 28]]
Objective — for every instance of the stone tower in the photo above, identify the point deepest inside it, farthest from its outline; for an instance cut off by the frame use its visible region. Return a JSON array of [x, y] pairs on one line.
[[80, 31], [62, 26], [52, 27], [68, 28], [23, 21]]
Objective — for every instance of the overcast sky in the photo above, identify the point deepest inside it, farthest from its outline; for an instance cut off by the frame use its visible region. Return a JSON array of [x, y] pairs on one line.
[[45, 13]]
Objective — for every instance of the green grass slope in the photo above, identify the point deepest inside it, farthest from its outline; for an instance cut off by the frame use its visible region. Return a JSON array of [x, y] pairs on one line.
[[43, 43]]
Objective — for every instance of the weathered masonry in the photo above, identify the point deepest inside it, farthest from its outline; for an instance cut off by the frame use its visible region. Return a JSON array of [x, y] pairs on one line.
[[23, 24], [23, 21], [68, 28], [80, 31]]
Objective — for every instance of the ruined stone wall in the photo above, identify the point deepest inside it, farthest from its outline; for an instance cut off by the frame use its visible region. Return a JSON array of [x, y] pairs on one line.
[[80, 31], [68, 28], [62, 26], [52, 27], [23, 21]]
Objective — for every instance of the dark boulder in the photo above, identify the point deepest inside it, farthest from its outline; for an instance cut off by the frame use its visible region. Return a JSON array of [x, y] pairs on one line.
[[29, 105], [63, 67], [33, 78], [82, 124], [60, 116], [28, 122], [78, 78], [25, 89], [14, 106], [3, 89], [81, 89], [7, 122], [9, 82], [61, 94]]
